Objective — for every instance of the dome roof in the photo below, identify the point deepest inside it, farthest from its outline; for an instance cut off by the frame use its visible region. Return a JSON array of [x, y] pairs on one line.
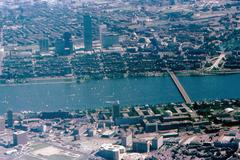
[[228, 110], [169, 113]]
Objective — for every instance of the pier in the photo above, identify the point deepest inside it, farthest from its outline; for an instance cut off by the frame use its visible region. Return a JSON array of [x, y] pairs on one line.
[[180, 87]]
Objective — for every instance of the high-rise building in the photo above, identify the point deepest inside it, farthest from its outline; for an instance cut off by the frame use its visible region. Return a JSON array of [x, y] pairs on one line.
[[59, 46], [109, 40], [172, 2], [43, 45], [2, 123], [68, 44], [116, 110], [141, 145], [127, 139], [157, 142], [64, 45], [67, 36], [9, 118], [20, 138], [87, 24], [102, 30]]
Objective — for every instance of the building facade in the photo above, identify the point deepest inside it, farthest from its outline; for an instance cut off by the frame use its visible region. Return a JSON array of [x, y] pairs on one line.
[[87, 24]]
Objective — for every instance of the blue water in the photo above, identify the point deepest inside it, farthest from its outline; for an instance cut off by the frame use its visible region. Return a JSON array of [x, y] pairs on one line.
[[212, 87], [95, 93]]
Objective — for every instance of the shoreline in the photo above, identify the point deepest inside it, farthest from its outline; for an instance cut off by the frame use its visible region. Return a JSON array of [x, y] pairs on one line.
[[199, 73], [97, 107], [69, 80]]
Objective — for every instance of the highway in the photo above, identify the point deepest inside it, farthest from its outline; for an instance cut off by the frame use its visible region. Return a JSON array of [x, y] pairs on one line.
[[180, 88], [217, 62]]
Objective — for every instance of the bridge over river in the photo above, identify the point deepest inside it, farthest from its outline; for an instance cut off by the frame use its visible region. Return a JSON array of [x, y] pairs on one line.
[[180, 87]]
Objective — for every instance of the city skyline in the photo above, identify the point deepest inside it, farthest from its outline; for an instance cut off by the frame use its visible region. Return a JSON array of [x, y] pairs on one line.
[[119, 80]]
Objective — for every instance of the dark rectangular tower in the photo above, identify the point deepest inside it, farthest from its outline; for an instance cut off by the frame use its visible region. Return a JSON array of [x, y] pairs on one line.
[[43, 45], [87, 24], [9, 118], [116, 110]]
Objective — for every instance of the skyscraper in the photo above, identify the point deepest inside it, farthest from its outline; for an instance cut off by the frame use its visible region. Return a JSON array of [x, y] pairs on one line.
[[116, 110], [102, 31], [9, 118], [157, 142], [127, 139], [43, 45], [68, 44], [20, 138], [64, 45], [59, 46], [87, 24]]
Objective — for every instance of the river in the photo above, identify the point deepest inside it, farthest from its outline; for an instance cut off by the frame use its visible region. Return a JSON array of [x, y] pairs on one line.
[[129, 91]]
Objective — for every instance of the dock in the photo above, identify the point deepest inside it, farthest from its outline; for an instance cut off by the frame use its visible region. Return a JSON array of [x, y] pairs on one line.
[[180, 87]]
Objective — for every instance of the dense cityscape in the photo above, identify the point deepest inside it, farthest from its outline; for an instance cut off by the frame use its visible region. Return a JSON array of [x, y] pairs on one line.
[[82, 41], [117, 39]]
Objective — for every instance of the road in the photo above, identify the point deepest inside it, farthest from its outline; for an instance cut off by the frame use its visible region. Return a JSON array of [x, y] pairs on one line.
[[217, 62]]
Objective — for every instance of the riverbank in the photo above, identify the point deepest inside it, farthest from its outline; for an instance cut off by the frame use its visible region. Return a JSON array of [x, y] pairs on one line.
[[72, 79], [200, 73]]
